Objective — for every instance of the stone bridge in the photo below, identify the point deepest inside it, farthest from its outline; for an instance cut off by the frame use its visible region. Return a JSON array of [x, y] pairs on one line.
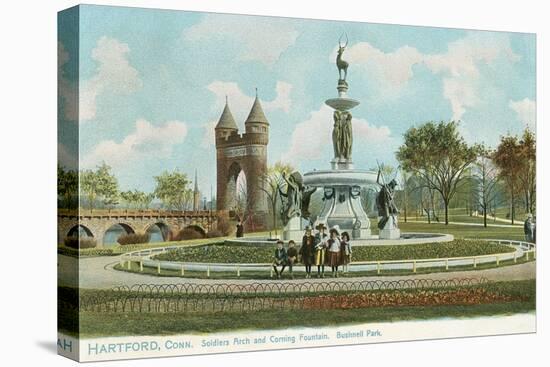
[[98, 221]]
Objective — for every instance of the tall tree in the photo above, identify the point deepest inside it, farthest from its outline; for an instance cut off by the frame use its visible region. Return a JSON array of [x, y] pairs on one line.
[[270, 184], [528, 170], [99, 185], [437, 153], [67, 186], [173, 191], [486, 175], [508, 158], [137, 199]]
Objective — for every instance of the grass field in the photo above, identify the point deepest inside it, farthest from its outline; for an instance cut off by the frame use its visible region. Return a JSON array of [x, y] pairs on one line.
[[95, 324]]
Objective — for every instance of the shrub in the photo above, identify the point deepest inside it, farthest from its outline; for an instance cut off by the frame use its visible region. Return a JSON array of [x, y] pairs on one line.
[[82, 243], [214, 233], [133, 238], [188, 234]]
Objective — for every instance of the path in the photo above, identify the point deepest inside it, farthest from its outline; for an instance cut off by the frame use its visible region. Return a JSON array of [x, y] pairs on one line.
[[470, 224], [98, 272]]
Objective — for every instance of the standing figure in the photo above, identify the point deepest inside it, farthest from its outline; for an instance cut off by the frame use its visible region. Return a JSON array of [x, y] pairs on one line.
[[293, 195], [307, 251], [345, 251], [337, 134], [334, 247], [279, 259], [292, 256], [385, 203], [529, 228], [347, 135], [240, 229], [320, 250]]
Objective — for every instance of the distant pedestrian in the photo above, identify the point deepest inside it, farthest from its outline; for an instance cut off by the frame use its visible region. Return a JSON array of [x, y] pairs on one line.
[[240, 229], [529, 228]]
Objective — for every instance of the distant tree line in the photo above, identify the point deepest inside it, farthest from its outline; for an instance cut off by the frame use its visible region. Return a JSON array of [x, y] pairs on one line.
[[99, 189], [440, 169]]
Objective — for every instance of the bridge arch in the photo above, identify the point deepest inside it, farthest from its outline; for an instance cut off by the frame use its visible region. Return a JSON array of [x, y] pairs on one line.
[[197, 228], [159, 232], [114, 231], [80, 231]]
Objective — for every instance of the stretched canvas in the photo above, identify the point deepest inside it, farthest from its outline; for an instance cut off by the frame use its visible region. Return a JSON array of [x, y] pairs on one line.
[[231, 183]]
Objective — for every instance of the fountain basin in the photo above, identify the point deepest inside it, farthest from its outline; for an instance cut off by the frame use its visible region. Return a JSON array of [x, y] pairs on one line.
[[332, 178]]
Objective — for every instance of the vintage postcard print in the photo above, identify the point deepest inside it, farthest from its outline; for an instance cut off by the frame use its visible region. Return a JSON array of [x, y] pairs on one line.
[[236, 183]]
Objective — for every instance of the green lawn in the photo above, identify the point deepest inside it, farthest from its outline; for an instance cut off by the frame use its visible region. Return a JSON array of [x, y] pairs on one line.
[[95, 324], [462, 231]]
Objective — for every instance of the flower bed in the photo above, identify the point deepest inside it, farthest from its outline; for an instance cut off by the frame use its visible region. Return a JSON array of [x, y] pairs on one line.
[[219, 253]]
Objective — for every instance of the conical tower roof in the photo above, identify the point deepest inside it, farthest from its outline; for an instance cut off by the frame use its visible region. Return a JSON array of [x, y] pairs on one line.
[[256, 113], [226, 119]]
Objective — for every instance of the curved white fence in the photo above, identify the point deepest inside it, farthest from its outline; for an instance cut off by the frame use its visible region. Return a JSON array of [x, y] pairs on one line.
[[143, 258]]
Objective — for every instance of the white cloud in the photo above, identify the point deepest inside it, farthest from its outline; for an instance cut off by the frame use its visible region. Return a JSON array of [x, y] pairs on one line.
[[66, 89], [312, 138], [260, 39], [394, 67], [241, 103], [65, 158], [526, 111], [458, 66], [147, 141], [208, 138], [114, 75]]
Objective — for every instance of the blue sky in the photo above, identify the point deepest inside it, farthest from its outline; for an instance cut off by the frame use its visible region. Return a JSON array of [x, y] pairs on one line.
[[153, 84]]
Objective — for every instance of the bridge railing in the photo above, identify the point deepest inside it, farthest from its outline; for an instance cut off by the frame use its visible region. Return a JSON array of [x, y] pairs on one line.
[[138, 213]]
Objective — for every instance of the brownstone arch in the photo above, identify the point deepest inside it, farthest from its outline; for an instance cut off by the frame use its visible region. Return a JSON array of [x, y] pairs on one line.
[[242, 152]]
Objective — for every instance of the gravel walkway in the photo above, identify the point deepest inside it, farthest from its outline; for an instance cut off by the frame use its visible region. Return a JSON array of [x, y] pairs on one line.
[[98, 272]]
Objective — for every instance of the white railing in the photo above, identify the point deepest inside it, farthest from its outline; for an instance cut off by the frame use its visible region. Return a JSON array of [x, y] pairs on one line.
[[143, 258]]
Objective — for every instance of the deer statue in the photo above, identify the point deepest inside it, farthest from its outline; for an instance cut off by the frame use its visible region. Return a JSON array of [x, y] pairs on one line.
[[340, 63]]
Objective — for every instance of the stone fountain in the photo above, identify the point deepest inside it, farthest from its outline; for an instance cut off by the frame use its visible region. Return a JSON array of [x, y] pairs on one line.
[[342, 184]]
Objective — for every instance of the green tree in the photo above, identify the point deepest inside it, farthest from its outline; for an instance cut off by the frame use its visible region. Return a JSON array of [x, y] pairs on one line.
[[67, 186], [487, 178], [173, 191], [99, 185], [137, 199], [516, 160], [528, 177], [437, 153]]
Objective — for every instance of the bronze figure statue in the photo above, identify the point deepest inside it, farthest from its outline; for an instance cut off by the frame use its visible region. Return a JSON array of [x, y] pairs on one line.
[[385, 202]]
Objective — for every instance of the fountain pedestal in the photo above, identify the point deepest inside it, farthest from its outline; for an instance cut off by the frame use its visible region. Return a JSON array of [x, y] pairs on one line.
[[342, 184], [293, 229]]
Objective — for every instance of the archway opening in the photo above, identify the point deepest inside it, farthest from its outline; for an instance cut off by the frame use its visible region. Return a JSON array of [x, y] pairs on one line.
[[114, 232], [80, 231], [237, 190], [197, 228], [159, 232]]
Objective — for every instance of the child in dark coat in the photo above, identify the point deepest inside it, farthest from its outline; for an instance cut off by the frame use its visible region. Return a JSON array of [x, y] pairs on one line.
[[292, 256], [280, 258]]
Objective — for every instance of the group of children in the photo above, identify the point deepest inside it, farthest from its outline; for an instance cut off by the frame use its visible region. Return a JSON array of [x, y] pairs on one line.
[[321, 250]]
